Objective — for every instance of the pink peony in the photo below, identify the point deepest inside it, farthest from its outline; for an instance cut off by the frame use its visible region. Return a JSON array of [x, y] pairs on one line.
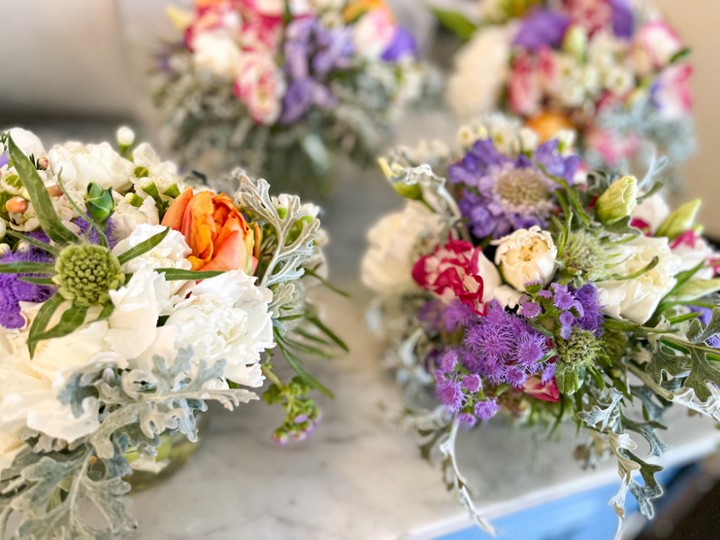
[[261, 86], [452, 272]]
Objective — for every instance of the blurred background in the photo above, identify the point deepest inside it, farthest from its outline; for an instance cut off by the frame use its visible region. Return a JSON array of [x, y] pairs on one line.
[[77, 69]]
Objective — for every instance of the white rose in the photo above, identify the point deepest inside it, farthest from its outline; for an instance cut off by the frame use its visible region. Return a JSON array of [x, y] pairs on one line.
[[81, 164], [217, 52], [493, 287], [637, 299], [388, 263], [227, 318], [525, 256], [27, 141], [653, 211], [481, 72], [127, 217]]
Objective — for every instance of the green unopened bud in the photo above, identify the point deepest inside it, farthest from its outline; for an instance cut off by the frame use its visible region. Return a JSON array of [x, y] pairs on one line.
[[618, 201], [569, 378], [99, 202], [405, 189], [86, 274], [680, 221], [576, 42]]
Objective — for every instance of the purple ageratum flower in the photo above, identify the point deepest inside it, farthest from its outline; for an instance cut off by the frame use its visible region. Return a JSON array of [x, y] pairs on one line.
[[592, 318], [529, 309], [503, 348], [471, 383], [485, 410], [501, 194], [431, 316], [542, 28], [564, 299], [623, 19], [467, 420], [402, 45], [13, 290], [448, 361], [458, 315], [450, 394]]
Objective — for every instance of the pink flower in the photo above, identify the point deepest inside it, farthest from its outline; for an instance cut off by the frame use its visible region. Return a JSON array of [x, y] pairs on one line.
[[671, 92], [545, 392], [373, 33], [612, 146], [261, 86], [524, 88], [658, 42], [452, 272]]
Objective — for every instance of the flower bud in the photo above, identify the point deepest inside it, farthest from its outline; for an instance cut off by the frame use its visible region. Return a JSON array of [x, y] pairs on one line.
[[55, 191], [43, 163], [4, 249], [618, 201], [681, 220], [407, 190], [3, 228], [99, 202], [576, 41], [125, 137], [16, 205], [526, 256]]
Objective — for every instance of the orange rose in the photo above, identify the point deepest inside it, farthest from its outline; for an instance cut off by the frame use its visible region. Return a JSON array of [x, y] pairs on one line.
[[215, 231]]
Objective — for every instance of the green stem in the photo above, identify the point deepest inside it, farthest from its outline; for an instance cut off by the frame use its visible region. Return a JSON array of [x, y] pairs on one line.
[[273, 378]]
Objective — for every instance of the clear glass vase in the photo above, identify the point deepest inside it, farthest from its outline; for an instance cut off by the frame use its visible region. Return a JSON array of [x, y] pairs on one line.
[[175, 450]]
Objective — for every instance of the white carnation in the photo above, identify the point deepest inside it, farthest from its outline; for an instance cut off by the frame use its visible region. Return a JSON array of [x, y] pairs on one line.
[[637, 299], [227, 318], [27, 142], [79, 164], [388, 263], [10, 446], [526, 256], [481, 72], [172, 252], [127, 217], [163, 174]]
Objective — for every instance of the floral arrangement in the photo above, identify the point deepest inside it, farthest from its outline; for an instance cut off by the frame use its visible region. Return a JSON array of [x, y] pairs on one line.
[[613, 72], [128, 300], [282, 85], [513, 284]]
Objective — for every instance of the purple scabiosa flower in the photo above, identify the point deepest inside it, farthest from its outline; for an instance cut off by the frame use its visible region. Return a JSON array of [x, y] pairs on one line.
[[312, 52], [450, 394], [403, 45], [467, 420], [623, 20], [485, 410], [542, 28], [500, 194]]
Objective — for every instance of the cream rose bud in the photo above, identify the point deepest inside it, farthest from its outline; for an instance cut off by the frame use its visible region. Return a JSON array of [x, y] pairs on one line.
[[618, 201], [526, 256]]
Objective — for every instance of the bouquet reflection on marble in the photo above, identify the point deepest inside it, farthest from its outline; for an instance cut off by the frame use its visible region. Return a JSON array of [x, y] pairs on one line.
[[614, 71], [128, 300], [515, 284], [282, 85]]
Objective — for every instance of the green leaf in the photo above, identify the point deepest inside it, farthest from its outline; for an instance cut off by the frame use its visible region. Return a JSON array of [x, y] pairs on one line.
[[38, 280], [456, 22], [143, 247], [176, 274], [329, 333], [326, 283], [297, 366], [681, 55], [27, 267], [44, 209], [33, 242], [42, 319], [695, 289], [71, 319]]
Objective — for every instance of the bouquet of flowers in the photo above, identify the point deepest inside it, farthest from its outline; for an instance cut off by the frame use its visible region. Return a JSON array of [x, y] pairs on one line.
[[282, 85], [612, 72], [513, 284], [128, 300]]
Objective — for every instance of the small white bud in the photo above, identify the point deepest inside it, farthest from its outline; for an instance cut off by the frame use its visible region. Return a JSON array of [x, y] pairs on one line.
[[4, 248], [125, 136], [3, 228]]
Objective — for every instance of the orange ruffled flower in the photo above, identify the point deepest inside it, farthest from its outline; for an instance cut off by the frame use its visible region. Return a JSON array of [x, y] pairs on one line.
[[360, 7], [548, 124], [217, 233]]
